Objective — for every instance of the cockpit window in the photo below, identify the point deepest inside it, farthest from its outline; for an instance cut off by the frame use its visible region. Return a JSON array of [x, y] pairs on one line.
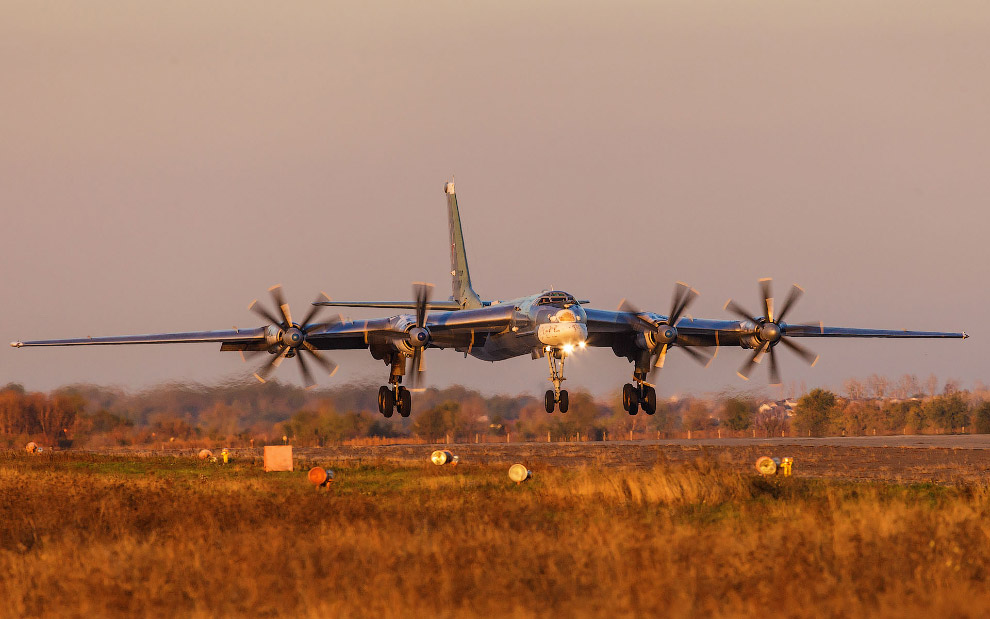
[[561, 299]]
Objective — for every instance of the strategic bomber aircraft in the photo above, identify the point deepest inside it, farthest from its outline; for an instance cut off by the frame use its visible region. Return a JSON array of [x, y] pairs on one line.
[[551, 324]]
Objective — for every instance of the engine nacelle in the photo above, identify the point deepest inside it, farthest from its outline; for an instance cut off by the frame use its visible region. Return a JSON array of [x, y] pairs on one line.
[[273, 337], [650, 340], [416, 337]]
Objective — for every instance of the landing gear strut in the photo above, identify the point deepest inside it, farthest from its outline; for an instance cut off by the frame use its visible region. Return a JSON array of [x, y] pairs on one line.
[[557, 397], [641, 394], [395, 396]]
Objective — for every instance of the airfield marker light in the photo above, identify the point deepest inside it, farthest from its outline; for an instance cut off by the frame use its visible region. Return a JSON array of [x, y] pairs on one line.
[[320, 477], [441, 457], [767, 465], [519, 473], [786, 464]]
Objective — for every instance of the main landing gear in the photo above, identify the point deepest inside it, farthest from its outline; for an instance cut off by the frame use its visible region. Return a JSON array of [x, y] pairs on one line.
[[640, 394], [556, 397], [395, 397], [391, 399]]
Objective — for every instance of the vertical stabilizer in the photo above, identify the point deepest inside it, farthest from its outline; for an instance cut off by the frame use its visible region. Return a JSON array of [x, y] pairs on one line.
[[463, 293]]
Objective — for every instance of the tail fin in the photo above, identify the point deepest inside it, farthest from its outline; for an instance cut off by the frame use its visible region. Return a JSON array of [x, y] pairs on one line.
[[465, 296]]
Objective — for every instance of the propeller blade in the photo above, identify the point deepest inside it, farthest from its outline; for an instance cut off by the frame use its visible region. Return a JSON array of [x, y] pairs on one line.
[[280, 303], [766, 290], [792, 297], [774, 371], [327, 364], [250, 354], [422, 293], [695, 354], [684, 295], [661, 357], [417, 370], [266, 368], [757, 356], [634, 317], [261, 311], [313, 311], [809, 357], [326, 324], [307, 376], [736, 309]]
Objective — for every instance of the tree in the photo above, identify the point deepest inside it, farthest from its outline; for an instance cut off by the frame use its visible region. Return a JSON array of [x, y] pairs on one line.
[[877, 386], [436, 422], [855, 389], [947, 412], [738, 413], [815, 411], [981, 418]]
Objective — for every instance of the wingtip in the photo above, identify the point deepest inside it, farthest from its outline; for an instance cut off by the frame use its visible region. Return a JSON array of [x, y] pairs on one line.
[[816, 360], [742, 376], [965, 336], [17, 344], [260, 379]]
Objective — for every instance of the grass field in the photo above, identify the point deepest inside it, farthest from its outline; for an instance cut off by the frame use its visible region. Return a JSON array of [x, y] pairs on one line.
[[87, 534]]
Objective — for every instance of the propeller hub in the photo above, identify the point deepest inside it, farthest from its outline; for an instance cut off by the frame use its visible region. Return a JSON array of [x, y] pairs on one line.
[[770, 332], [419, 337], [293, 337], [666, 334]]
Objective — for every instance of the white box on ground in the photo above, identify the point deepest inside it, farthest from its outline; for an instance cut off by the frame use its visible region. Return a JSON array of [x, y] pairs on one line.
[[278, 458]]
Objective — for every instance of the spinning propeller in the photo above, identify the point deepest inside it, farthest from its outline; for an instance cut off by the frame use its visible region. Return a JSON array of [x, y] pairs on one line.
[[769, 330], [665, 333], [290, 339], [419, 335]]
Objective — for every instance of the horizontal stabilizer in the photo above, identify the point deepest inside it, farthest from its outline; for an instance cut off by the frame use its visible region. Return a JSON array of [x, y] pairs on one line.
[[437, 305]]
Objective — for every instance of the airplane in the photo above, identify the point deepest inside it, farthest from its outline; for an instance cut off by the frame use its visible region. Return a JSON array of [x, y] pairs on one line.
[[552, 324]]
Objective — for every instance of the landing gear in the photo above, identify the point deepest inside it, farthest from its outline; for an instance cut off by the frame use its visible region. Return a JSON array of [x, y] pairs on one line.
[[394, 399], [641, 394], [556, 397], [394, 396], [552, 400]]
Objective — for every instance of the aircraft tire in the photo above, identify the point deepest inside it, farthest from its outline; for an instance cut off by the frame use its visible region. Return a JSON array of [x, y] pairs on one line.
[[564, 403], [629, 398], [405, 402], [388, 402], [649, 400], [381, 399], [550, 401]]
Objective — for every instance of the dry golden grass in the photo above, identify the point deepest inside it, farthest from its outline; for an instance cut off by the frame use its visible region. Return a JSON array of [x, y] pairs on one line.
[[97, 536]]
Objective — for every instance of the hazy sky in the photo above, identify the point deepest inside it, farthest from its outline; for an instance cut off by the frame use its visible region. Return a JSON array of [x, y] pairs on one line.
[[163, 163]]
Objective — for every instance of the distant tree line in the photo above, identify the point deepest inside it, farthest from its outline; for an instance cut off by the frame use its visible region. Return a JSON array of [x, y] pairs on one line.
[[256, 413]]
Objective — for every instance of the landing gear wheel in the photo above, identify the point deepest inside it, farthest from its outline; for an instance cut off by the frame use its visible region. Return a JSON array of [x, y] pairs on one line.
[[387, 401], [381, 399], [630, 398], [649, 400], [564, 402], [404, 403], [550, 401]]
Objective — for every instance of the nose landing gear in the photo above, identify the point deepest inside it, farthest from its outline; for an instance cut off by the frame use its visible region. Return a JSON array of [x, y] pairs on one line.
[[557, 397]]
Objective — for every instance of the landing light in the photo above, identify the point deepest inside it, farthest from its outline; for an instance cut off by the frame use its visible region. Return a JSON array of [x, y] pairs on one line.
[[568, 349], [581, 344]]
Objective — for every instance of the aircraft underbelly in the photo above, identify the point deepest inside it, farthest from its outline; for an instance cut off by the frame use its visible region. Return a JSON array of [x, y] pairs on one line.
[[506, 346]]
